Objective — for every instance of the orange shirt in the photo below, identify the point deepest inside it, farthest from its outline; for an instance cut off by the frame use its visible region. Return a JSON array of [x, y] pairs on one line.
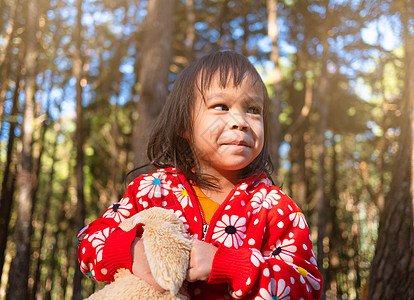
[[208, 206]]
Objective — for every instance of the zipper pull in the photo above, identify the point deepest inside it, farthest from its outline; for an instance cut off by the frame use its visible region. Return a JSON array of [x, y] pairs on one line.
[[205, 228]]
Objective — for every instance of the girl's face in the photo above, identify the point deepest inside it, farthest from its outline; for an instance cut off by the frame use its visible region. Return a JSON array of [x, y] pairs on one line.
[[228, 131]]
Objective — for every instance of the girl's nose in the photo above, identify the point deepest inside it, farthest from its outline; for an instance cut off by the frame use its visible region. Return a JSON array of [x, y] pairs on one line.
[[239, 123]]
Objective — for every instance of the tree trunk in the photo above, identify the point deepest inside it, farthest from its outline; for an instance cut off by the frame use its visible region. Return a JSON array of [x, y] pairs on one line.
[[37, 156], [392, 269], [79, 138], [220, 21], [71, 251], [20, 266], [298, 136], [5, 64], [114, 156], [7, 190], [244, 13], [153, 77], [9, 33], [44, 220], [191, 31], [275, 100], [114, 148], [333, 232], [323, 205], [60, 230]]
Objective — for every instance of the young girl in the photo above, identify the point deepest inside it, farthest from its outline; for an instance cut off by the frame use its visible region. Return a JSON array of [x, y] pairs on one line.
[[210, 146]]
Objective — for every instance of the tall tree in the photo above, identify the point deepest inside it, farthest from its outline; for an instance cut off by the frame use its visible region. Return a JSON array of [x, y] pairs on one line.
[[115, 131], [4, 52], [320, 194], [275, 101], [191, 31], [79, 138], [392, 269], [153, 76], [45, 216], [9, 178], [20, 267], [9, 32]]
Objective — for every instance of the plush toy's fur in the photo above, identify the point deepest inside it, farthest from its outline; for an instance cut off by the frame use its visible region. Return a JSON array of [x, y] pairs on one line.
[[167, 247]]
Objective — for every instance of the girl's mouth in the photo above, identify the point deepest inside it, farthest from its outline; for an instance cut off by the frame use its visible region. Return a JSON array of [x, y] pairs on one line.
[[237, 143]]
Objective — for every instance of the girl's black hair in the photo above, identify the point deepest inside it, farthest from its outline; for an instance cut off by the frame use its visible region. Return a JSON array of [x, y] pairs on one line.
[[168, 147]]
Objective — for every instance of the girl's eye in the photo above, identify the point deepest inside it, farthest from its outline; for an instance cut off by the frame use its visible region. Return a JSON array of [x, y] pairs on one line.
[[221, 107], [254, 110]]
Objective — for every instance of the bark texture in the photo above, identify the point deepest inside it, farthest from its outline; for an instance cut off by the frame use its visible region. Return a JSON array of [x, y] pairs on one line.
[[275, 100], [79, 140], [19, 272], [153, 77], [392, 269]]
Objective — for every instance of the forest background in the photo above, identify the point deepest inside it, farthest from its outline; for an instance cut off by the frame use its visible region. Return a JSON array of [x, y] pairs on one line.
[[82, 81]]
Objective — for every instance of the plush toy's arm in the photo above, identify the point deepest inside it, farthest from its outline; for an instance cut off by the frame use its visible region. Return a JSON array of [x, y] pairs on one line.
[[103, 247], [167, 248]]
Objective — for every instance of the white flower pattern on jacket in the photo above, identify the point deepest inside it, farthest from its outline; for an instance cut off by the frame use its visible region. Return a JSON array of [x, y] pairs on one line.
[[308, 278], [182, 195], [119, 211], [271, 199], [275, 291], [257, 200], [298, 219], [98, 240], [282, 250], [256, 257], [230, 231], [154, 185], [90, 271]]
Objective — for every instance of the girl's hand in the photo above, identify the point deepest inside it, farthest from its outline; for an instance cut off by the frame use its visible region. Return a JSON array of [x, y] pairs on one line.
[[140, 265], [201, 261]]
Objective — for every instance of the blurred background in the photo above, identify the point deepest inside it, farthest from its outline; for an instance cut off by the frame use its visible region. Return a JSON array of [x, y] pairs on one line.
[[81, 82]]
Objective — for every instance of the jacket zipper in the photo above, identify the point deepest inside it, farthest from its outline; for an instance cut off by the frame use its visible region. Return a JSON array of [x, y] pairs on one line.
[[204, 223]]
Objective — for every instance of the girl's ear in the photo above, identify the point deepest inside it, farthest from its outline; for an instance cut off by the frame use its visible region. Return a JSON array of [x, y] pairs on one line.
[[185, 135]]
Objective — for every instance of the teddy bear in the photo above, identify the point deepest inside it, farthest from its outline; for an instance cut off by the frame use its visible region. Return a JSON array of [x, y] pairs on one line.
[[167, 247]]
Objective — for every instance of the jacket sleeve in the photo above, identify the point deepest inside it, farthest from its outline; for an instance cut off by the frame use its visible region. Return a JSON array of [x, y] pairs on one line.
[[282, 265], [103, 247]]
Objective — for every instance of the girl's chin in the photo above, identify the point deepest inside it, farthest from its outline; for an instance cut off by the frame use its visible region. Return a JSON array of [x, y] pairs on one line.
[[234, 149], [233, 167], [226, 163]]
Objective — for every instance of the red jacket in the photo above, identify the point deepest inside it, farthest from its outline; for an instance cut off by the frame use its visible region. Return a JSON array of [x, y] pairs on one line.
[[264, 245]]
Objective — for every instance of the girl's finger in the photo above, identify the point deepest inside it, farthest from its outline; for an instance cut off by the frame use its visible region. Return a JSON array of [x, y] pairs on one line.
[[191, 275]]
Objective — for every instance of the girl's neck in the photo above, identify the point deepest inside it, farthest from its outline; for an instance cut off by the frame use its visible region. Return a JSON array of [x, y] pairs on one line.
[[226, 181]]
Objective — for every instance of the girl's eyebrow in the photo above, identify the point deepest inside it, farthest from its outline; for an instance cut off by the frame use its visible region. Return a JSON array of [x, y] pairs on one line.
[[246, 98], [217, 95], [255, 100]]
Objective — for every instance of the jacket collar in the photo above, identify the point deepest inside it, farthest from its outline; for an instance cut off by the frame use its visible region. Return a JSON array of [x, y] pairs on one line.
[[251, 181]]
